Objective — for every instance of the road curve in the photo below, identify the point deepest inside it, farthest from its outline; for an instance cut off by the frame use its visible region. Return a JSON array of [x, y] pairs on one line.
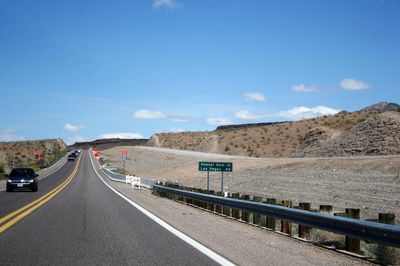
[[88, 224]]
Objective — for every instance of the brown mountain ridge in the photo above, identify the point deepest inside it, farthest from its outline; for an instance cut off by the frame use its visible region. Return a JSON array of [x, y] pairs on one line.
[[374, 130]]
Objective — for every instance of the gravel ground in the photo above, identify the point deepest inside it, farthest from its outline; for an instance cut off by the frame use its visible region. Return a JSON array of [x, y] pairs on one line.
[[238, 242], [370, 183]]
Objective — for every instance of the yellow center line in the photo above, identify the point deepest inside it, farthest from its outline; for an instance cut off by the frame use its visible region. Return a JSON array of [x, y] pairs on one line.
[[29, 208]]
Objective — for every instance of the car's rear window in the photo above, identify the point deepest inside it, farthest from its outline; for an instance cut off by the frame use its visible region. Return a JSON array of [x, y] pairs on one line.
[[21, 172]]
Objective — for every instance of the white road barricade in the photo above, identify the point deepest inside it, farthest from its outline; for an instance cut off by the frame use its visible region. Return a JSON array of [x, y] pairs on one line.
[[134, 180]]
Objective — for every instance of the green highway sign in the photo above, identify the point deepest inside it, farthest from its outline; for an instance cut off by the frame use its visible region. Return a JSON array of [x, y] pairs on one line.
[[215, 167]]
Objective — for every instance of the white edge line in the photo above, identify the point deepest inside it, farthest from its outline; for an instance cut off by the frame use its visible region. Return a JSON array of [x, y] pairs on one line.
[[203, 249], [55, 170], [43, 177]]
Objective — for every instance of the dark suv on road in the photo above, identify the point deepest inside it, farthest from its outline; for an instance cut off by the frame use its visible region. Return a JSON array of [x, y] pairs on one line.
[[21, 178], [71, 157]]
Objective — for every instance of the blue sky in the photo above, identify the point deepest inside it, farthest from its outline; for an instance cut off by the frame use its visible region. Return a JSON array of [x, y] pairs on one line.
[[86, 69]]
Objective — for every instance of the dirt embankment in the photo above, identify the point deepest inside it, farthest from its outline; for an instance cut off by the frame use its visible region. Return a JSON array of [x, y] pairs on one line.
[[367, 132], [17, 154], [370, 183]]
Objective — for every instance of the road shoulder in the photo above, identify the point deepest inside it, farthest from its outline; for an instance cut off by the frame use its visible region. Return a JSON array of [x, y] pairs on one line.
[[241, 243]]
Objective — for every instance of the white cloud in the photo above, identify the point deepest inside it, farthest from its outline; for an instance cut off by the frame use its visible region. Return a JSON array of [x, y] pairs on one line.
[[70, 127], [148, 114], [7, 131], [302, 112], [304, 88], [247, 115], [218, 121], [121, 135], [177, 130], [255, 96], [11, 137], [170, 4], [295, 113], [8, 134], [352, 84]]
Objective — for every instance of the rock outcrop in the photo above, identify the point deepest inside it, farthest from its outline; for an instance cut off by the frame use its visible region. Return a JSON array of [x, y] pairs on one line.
[[379, 135]]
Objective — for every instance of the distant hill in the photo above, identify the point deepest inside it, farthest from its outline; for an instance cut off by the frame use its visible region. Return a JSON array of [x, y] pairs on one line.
[[366, 132], [20, 153], [103, 144], [378, 135], [230, 127], [383, 107]]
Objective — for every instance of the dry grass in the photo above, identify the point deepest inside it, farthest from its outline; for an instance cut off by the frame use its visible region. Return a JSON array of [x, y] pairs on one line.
[[17, 154], [276, 140]]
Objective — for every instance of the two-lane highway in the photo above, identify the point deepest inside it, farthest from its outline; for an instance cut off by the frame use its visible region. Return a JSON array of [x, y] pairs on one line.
[[13, 201], [88, 224]]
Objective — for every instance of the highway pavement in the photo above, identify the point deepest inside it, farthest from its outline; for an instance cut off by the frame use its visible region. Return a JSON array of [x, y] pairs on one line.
[[75, 219]]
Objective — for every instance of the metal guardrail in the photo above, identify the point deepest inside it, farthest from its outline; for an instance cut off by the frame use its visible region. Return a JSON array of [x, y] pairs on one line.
[[144, 182], [113, 176], [365, 230]]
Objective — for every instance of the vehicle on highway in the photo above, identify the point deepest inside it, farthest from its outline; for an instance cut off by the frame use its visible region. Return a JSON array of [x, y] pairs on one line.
[[22, 178], [71, 157]]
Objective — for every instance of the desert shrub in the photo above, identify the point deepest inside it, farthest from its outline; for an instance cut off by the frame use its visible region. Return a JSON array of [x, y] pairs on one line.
[[227, 148]]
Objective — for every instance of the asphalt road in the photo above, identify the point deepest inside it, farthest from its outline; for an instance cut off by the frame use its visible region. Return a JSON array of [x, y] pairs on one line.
[[15, 200], [87, 224]]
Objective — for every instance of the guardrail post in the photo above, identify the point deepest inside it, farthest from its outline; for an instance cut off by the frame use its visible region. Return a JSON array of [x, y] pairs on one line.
[[386, 218], [197, 202], [180, 198], [385, 253], [271, 221], [204, 203], [235, 212], [352, 244], [257, 218], [218, 208], [226, 210], [246, 215], [210, 206], [286, 227], [304, 231], [189, 200], [325, 209]]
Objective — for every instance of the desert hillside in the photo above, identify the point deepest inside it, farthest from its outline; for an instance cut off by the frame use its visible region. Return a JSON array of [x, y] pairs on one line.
[[17, 154], [103, 144], [371, 131]]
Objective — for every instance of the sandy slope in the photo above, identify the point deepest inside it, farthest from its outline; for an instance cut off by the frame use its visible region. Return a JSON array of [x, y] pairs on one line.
[[369, 183]]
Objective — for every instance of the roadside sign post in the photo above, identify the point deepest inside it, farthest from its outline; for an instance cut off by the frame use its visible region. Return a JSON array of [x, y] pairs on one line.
[[215, 167], [208, 180], [124, 155], [222, 181]]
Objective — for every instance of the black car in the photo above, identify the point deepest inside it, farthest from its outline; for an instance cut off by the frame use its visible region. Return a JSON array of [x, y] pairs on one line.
[[22, 178], [71, 157]]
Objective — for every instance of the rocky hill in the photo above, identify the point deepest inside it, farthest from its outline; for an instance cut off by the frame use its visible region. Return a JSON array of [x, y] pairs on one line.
[[383, 107], [371, 131], [103, 144], [17, 154], [378, 135]]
